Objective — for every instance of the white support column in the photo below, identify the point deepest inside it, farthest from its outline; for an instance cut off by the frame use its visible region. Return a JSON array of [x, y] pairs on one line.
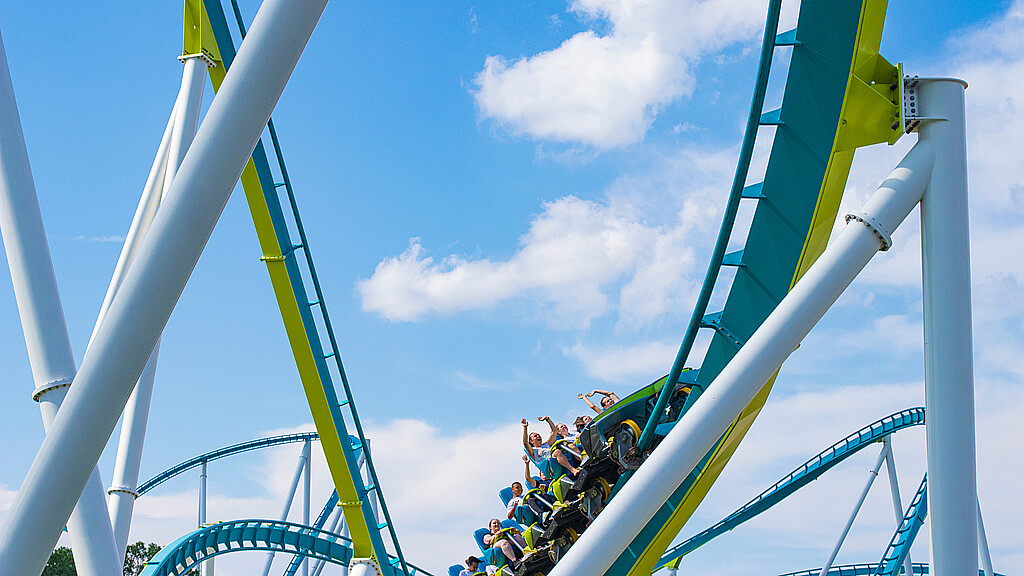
[[206, 567], [155, 280], [856, 510], [986, 554], [177, 138], [46, 335], [711, 415], [336, 518], [897, 503], [293, 488], [948, 348], [305, 497]]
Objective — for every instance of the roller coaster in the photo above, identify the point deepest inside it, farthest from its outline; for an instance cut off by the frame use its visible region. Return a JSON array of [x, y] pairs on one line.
[[644, 464]]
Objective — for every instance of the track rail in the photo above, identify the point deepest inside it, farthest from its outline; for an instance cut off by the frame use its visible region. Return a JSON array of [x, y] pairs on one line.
[[863, 570], [835, 100], [801, 476], [249, 535], [224, 453]]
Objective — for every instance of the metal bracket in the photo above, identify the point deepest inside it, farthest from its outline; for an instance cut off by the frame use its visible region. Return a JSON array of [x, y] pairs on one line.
[[369, 567], [911, 120], [882, 234], [124, 489], [209, 61], [44, 388]]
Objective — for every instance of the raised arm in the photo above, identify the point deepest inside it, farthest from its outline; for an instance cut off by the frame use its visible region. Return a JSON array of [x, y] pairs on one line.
[[526, 436], [529, 478], [607, 393], [554, 431], [586, 398]]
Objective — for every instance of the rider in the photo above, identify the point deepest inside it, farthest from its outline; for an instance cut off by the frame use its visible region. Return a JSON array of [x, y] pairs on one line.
[[609, 399]]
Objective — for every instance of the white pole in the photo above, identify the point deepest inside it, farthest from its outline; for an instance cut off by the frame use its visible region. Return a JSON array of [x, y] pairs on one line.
[[305, 498], [206, 567], [762, 355], [202, 496], [986, 554], [182, 129], [155, 280], [299, 468], [856, 510], [948, 349], [897, 503], [46, 334], [336, 518]]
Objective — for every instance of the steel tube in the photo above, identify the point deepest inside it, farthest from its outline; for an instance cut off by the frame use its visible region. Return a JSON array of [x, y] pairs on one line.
[[294, 486], [46, 334], [856, 510], [948, 348], [897, 503], [986, 554], [712, 413], [182, 126], [308, 471], [155, 280]]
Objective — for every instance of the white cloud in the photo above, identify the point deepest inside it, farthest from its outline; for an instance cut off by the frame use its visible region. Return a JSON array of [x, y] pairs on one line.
[[625, 363], [637, 254], [6, 498], [604, 90], [896, 332], [574, 250]]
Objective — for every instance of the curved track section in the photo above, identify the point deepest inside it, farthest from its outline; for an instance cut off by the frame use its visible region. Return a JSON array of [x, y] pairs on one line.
[[839, 94], [321, 520], [225, 452], [903, 539], [803, 475], [249, 535], [863, 570], [268, 535]]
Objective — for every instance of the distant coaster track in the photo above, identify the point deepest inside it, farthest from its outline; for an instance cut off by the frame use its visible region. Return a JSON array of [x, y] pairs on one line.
[[224, 453], [864, 570], [249, 535], [809, 471]]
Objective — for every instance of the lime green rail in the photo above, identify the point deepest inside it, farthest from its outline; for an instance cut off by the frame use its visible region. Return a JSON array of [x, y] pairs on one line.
[[206, 31]]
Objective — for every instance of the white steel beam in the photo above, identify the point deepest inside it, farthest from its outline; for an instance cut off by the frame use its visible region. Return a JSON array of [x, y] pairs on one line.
[[306, 487], [178, 137], [762, 355], [897, 503], [986, 554], [301, 467], [856, 509], [46, 334], [948, 348], [155, 280]]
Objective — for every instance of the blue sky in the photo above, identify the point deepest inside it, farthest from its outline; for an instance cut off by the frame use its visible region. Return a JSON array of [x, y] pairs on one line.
[[486, 256]]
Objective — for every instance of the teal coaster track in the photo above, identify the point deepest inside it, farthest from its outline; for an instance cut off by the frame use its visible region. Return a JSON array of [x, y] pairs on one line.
[[318, 544], [807, 472], [795, 207]]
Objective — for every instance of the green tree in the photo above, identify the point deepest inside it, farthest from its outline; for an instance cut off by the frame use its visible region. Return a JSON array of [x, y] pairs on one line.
[[61, 563], [137, 555]]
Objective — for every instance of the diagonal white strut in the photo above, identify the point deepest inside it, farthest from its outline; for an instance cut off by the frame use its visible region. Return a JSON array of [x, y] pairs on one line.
[[42, 318], [178, 136], [155, 280], [762, 355]]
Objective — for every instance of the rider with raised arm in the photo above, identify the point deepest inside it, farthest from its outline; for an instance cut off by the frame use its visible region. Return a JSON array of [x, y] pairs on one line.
[[560, 431], [606, 402]]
